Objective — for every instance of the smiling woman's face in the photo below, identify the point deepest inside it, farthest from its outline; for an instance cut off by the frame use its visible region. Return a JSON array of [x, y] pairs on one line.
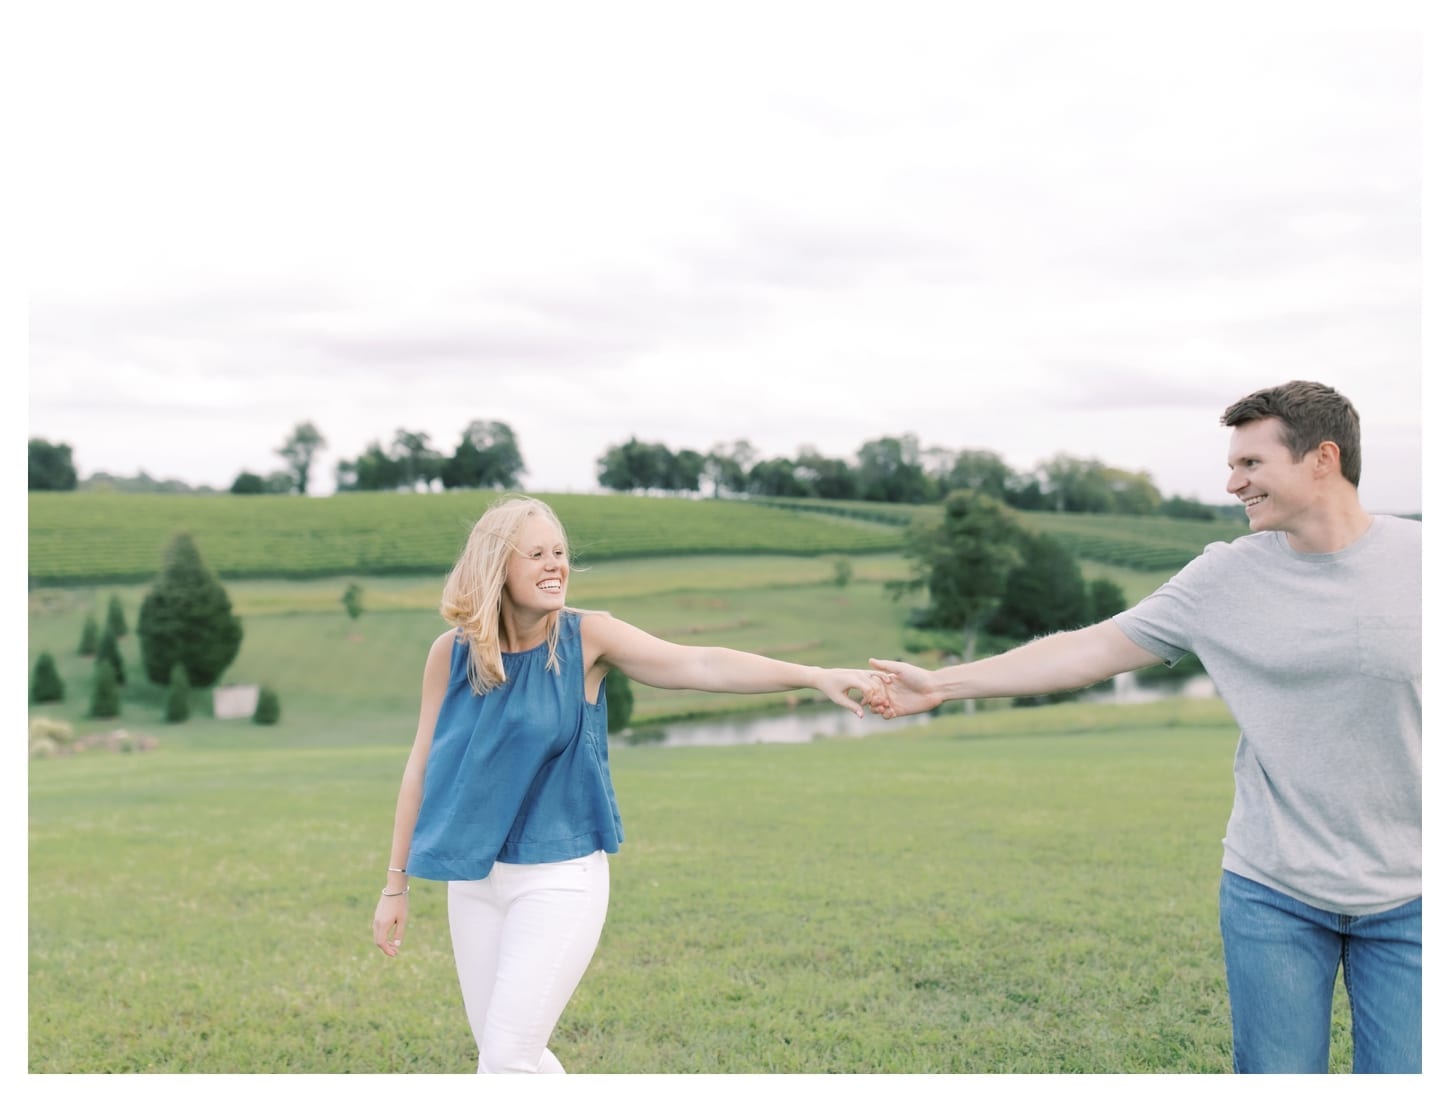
[[538, 570]]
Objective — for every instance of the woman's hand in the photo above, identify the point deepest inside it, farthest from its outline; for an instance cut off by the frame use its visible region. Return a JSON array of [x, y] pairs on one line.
[[839, 684], [389, 919]]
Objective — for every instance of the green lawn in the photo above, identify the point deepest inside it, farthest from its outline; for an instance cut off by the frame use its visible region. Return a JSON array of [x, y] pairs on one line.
[[1022, 890]]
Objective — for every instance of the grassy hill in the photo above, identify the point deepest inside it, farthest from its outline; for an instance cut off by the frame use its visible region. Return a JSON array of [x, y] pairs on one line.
[[80, 539], [97, 539]]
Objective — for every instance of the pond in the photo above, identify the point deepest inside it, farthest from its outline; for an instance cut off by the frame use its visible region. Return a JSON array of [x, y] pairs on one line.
[[829, 721]]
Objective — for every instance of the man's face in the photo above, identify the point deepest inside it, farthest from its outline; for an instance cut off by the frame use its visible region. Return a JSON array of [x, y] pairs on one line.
[[1275, 489]]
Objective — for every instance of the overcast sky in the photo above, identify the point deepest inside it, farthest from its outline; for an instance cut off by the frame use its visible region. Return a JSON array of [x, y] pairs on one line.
[[804, 230]]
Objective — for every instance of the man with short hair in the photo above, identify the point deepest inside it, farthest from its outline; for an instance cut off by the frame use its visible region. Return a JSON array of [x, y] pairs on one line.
[[1310, 629]]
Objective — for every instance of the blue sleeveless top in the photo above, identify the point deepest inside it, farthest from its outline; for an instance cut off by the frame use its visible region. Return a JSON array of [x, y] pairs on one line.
[[519, 774]]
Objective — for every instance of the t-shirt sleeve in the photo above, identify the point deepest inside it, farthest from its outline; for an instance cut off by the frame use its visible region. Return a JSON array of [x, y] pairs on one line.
[[1163, 622]]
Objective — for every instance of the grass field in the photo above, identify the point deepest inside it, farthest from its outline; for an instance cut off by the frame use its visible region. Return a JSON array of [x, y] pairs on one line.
[[1021, 890], [1026, 891]]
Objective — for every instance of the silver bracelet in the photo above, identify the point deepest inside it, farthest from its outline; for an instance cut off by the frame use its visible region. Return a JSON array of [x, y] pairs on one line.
[[391, 869], [389, 895]]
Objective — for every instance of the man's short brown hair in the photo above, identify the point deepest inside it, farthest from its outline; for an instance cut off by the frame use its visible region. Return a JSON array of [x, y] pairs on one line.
[[1310, 414]]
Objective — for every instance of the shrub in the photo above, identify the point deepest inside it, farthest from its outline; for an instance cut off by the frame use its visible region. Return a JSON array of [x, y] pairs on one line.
[[57, 732], [108, 653], [187, 617], [618, 700], [269, 707], [90, 635], [106, 696], [178, 696], [248, 483], [116, 618], [45, 683], [352, 600], [841, 569]]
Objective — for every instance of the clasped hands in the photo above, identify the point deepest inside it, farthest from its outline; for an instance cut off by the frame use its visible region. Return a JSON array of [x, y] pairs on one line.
[[890, 689]]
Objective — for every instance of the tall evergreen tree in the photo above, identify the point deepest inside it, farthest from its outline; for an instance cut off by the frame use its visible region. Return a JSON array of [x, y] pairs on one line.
[[90, 636], [108, 652], [45, 683], [187, 617], [116, 618], [106, 694]]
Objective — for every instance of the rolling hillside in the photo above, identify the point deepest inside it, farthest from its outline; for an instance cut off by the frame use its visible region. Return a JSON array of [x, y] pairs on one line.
[[92, 538]]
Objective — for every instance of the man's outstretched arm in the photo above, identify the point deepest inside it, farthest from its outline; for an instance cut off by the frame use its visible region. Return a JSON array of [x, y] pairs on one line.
[[1052, 664]]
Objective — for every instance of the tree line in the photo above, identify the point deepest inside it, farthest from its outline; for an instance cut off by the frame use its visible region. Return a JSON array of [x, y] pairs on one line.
[[887, 469], [891, 469]]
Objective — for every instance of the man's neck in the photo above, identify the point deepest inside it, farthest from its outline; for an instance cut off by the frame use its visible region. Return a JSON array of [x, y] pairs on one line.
[[1331, 528]]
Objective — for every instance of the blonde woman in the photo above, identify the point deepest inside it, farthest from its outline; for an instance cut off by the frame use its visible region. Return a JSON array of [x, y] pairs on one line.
[[506, 794]]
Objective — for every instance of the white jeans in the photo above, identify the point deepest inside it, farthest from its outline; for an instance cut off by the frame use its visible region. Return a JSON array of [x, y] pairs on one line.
[[522, 938]]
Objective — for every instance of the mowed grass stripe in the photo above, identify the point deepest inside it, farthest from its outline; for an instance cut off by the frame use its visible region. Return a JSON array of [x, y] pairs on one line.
[[97, 538]]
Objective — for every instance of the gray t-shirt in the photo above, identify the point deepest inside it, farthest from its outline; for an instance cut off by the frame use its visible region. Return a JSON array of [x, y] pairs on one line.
[[1318, 659]]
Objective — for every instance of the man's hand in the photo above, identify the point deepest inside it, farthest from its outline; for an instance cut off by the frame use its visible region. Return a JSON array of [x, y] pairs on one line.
[[907, 691]]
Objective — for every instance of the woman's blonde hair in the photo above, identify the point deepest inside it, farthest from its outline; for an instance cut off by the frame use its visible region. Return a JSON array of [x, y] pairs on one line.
[[473, 594]]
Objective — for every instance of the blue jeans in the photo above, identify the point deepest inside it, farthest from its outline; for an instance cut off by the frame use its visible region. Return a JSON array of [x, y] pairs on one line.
[[1282, 957]]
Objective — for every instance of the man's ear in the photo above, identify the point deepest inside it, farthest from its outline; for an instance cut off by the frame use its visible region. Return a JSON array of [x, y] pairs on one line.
[[1326, 459]]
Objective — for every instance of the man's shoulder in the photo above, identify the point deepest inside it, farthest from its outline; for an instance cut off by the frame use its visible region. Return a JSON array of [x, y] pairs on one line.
[[1404, 528], [1250, 543]]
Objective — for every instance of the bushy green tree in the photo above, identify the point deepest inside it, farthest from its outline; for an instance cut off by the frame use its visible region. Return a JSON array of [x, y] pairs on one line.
[[352, 600], [299, 449], [962, 561], [116, 618], [418, 463], [1105, 598], [375, 469], [248, 483], [269, 707], [776, 478], [187, 617], [825, 477], [51, 466], [90, 636], [178, 696], [618, 700], [634, 465], [727, 466], [106, 694], [1045, 592], [108, 652], [979, 469], [45, 683], [1186, 507], [889, 469]]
